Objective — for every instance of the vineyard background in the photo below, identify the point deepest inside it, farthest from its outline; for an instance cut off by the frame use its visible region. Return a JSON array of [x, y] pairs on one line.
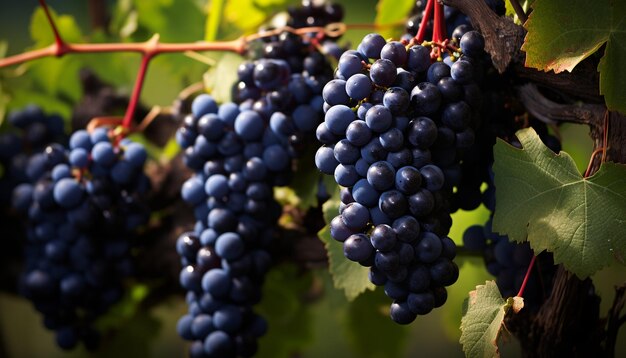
[[307, 316]]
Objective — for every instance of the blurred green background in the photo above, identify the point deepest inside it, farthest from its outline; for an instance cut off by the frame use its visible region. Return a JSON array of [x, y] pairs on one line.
[[308, 317]]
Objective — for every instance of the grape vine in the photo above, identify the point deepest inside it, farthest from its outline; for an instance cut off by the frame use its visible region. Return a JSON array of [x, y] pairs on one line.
[[416, 152]]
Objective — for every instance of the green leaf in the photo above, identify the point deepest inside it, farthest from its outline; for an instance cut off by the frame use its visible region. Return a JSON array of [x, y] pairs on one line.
[[4, 100], [558, 40], [216, 13], [611, 67], [286, 313], [482, 322], [219, 79], [124, 19], [245, 16], [368, 325], [542, 198], [4, 46], [41, 32], [511, 12], [349, 276], [306, 183], [175, 21], [391, 15]]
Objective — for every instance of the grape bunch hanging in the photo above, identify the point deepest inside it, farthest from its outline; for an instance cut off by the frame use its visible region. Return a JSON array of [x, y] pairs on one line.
[[239, 151], [398, 118]]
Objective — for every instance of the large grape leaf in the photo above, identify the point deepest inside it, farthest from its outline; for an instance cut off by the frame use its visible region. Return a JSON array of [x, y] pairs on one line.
[[541, 197], [349, 276], [483, 320], [561, 33], [390, 13]]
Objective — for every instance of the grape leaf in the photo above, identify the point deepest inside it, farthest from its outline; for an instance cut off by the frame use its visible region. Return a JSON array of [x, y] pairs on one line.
[[220, 78], [288, 316], [542, 198], [483, 320], [174, 21], [41, 32], [392, 14], [244, 16], [212, 27], [349, 276], [368, 325], [558, 40], [306, 183]]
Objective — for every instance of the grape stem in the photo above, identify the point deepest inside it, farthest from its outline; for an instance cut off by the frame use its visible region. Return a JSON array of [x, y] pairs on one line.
[[153, 47], [439, 27], [421, 33], [57, 37], [530, 268], [134, 98]]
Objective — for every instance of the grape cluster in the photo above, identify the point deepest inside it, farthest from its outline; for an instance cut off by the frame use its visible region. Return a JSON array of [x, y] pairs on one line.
[[395, 127], [28, 130], [31, 130], [509, 262], [314, 13], [237, 158], [83, 207], [239, 151], [284, 83]]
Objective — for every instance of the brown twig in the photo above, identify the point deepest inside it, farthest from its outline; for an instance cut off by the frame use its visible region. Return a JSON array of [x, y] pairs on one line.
[[519, 11], [98, 15], [154, 47], [551, 112], [149, 47]]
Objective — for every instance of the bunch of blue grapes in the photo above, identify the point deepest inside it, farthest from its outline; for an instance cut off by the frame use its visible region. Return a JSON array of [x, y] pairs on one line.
[[29, 130], [509, 262], [237, 159], [395, 128], [25, 131], [239, 152], [314, 13], [83, 206], [284, 81]]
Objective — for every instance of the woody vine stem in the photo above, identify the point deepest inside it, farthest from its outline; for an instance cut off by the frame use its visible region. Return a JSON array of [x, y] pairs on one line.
[[149, 49]]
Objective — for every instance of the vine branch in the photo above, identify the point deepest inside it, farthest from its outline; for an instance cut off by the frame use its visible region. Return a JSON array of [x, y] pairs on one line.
[[614, 321], [151, 48], [551, 112], [503, 38], [519, 11], [148, 48], [134, 98], [57, 37]]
